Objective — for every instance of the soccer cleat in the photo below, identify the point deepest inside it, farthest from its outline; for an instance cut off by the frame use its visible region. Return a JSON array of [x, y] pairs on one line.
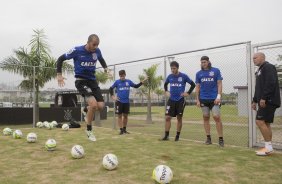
[[121, 132], [126, 132], [176, 138], [208, 141], [221, 142], [264, 152], [164, 139], [90, 135]]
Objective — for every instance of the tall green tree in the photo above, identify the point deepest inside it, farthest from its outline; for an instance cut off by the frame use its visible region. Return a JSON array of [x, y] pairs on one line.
[[101, 78], [151, 85], [35, 64]]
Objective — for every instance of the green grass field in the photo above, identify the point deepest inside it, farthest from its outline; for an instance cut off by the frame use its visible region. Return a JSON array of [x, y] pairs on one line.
[[138, 153]]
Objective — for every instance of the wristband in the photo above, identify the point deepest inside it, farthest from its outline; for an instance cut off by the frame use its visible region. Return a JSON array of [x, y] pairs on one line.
[[218, 96]]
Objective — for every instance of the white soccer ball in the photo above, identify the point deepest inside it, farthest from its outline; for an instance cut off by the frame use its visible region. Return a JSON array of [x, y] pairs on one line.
[[46, 124], [77, 151], [39, 124], [110, 161], [49, 126], [7, 131], [17, 134], [65, 127], [50, 144], [162, 174], [31, 137], [54, 123]]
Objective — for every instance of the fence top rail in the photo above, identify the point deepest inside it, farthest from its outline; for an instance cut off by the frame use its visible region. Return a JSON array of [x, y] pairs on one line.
[[267, 43], [180, 53]]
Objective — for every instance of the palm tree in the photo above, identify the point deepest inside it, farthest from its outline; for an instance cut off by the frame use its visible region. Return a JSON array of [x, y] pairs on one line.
[[101, 77], [151, 85], [159, 92], [141, 92], [35, 64]]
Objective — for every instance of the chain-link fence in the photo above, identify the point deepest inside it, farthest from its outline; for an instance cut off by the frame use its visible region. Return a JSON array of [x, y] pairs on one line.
[[273, 53], [236, 67]]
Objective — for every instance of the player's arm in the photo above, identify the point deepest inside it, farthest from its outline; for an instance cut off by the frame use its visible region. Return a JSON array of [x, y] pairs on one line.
[[115, 98], [60, 77], [166, 89], [219, 92], [192, 87], [197, 91]]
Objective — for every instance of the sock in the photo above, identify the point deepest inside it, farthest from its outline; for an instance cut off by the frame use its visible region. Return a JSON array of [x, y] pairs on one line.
[[89, 127], [208, 136], [220, 138], [166, 133], [121, 129], [177, 134], [268, 146], [124, 129]]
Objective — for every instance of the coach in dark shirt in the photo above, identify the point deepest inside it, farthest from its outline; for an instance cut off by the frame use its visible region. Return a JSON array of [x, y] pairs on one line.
[[266, 99]]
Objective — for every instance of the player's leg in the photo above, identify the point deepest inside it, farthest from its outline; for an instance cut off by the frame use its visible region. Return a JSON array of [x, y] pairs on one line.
[[180, 106], [219, 128], [170, 112], [206, 119], [264, 118], [125, 112], [118, 111]]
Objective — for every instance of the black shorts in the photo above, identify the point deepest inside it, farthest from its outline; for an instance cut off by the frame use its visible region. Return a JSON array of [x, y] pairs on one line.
[[175, 108], [266, 114], [89, 88], [208, 103], [122, 108]]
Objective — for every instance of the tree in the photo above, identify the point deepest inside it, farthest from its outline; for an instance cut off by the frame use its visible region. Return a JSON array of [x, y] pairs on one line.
[[141, 92], [159, 92], [101, 77], [151, 85], [35, 65]]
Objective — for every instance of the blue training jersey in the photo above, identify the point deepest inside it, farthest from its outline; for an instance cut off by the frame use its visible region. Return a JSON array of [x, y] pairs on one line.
[[123, 89], [84, 61], [177, 85], [208, 83]]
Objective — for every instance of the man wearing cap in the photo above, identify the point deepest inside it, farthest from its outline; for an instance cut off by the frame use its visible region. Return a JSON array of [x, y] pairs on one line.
[[208, 97]]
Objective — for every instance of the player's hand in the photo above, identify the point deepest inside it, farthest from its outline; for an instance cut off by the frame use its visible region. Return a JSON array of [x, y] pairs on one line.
[[184, 94], [143, 81], [167, 94], [108, 72], [60, 79], [254, 106], [115, 98], [198, 103], [217, 101], [262, 103]]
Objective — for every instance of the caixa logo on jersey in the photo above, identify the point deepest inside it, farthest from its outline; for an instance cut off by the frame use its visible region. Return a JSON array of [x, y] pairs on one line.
[[67, 115]]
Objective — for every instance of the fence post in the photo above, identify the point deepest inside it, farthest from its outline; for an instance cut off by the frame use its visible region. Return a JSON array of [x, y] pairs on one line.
[[34, 97], [114, 108]]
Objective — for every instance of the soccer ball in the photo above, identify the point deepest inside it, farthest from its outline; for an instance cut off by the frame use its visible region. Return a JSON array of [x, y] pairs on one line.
[[46, 124], [39, 124], [162, 174], [17, 134], [65, 127], [7, 131], [50, 144], [49, 126], [110, 161], [31, 137], [77, 151], [54, 123]]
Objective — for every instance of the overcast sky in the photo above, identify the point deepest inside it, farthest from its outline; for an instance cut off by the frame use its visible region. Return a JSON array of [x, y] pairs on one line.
[[135, 29]]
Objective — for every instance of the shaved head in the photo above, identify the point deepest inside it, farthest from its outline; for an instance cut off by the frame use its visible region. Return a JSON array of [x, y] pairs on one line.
[[259, 58]]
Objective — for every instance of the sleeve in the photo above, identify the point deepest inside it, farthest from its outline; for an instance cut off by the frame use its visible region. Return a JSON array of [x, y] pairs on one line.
[[197, 78], [269, 86], [112, 88], [192, 84], [71, 54], [132, 84], [101, 59], [166, 84], [60, 61], [219, 76]]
